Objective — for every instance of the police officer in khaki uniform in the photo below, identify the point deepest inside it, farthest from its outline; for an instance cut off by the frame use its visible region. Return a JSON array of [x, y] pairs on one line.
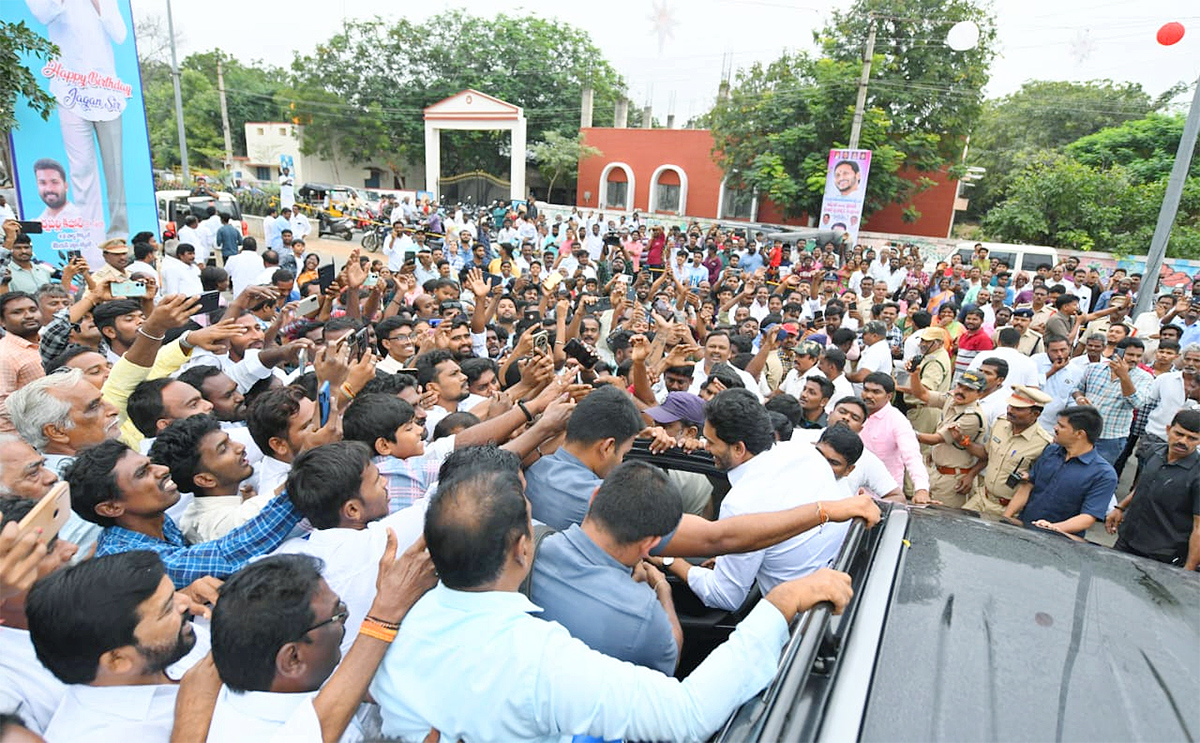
[[1031, 341], [936, 371], [1009, 452], [962, 424]]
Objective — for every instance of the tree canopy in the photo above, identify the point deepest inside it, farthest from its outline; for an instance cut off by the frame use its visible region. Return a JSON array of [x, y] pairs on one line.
[[362, 93], [774, 132], [1102, 192], [1013, 131]]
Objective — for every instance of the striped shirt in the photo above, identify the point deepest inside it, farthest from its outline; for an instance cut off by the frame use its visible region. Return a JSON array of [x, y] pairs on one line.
[[1103, 390]]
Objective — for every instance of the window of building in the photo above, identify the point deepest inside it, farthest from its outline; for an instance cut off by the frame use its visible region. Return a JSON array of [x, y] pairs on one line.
[[616, 198], [738, 203], [262, 131], [666, 197], [262, 172], [283, 131]]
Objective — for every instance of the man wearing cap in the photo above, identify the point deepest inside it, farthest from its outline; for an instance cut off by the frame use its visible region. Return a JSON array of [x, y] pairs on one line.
[[804, 365], [424, 269], [935, 370], [116, 258], [961, 425], [1015, 443], [1031, 341], [681, 416]]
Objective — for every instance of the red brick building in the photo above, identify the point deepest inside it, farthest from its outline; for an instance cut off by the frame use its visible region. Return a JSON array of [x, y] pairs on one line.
[[671, 171]]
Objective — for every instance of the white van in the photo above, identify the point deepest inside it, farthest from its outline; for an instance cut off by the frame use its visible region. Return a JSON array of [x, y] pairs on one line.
[[1018, 257]]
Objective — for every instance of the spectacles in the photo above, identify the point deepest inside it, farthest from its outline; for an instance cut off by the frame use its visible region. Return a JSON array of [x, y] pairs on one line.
[[339, 616], [403, 337]]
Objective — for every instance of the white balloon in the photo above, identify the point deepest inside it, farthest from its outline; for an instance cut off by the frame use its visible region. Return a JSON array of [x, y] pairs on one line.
[[963, 35]]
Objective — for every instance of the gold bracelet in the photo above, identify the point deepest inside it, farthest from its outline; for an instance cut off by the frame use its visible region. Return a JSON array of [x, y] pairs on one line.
[[383, 622]]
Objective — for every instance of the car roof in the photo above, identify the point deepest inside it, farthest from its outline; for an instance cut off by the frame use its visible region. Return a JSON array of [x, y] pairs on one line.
[[999, 632]]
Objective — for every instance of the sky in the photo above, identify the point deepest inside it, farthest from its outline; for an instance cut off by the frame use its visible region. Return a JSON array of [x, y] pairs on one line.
[[1038, 39]]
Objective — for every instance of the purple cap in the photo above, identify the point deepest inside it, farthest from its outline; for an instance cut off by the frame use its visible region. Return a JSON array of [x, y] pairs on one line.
[[679, 406]]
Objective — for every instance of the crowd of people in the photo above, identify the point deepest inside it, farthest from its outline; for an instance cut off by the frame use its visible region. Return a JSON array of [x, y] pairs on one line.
[[318, 502]]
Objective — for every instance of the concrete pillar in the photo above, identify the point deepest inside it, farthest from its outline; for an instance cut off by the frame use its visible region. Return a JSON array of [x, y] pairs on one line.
[[433, 159], [516, 178], [670, 121], [585, 112], [621, 114], [646, 118]]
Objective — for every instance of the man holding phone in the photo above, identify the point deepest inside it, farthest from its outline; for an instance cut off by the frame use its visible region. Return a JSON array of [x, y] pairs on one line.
[[25, 274]]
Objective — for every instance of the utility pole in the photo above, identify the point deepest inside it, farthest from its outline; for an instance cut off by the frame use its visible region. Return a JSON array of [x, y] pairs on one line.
[[861, 104], [225, 117], [1170, 205], [183, 161]]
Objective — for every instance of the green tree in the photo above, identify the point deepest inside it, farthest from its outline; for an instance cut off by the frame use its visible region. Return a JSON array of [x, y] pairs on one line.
[[16, 79], [1058, 200], [1014, 131], [558, 156], [1146, 147], [781, 119], [362, 93]]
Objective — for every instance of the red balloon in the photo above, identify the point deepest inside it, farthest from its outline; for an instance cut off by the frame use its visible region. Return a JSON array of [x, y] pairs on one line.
[[1170, 33]]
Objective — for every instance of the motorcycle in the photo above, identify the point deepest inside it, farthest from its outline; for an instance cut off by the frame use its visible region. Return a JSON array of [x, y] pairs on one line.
[[372, 239], [339, 226]]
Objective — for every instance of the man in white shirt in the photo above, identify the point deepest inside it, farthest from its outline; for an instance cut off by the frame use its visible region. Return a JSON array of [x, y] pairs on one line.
[[594, 242], [395, 245], [245, 267], [1167, 396], [301, 227], [206, 462], [570, 689], [287, 187], [277, 632], [740, 439], [116, 693], [855, 470], [877, 354], [189, 233], [6, 211], [832, 365], [805, 357], [180, 274], [1022, 369], [718, 350]]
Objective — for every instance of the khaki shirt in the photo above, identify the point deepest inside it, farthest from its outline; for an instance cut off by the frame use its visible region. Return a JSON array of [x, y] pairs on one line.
[[1031, 343], [936, 371], [1038, 321], [970, 421], [106, 271], [1008, 451]]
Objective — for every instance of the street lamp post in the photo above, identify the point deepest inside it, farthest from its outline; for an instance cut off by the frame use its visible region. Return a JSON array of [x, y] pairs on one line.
[[183, 159]]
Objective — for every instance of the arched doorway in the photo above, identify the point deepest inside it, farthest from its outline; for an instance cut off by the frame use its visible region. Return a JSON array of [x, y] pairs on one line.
[[617, 187], [668, 190]]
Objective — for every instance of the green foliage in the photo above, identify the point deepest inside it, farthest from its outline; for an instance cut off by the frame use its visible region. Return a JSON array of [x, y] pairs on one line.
[[363, 91], [1060, 201], [1146, 147], [782, 118], [1014, 130], [251, 95], [17, 80], [558, 156]]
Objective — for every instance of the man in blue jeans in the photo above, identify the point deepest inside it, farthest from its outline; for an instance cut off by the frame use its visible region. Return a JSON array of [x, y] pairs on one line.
[[1115, 387]]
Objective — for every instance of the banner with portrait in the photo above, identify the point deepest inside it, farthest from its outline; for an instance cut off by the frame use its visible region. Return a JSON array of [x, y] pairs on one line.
[[85, 173], [845, 188]]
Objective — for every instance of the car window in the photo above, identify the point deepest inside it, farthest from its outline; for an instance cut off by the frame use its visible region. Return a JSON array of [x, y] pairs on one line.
[[1032, 260]]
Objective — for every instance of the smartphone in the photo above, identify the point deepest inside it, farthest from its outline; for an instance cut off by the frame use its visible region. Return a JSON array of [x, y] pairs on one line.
[[128, 289], [360, 342], [30, 228], [541, 341], [51, 512], [580, 351], [1119, 353], [325, 276], [434, 322], [308, 305], [494, 279], [74, 255], [902, 378], [209, 302], [372, 280], [302, 359], [323, 402]]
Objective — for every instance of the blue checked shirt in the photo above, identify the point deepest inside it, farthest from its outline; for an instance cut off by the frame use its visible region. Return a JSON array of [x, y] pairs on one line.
[[407, 479], [219, 558], [1103, 390]]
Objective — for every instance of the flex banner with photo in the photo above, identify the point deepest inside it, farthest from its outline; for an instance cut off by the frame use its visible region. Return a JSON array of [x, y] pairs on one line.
[[845, 188], [85, 174]]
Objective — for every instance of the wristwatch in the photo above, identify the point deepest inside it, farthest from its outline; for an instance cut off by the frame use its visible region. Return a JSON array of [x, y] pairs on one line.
[[667, 561]]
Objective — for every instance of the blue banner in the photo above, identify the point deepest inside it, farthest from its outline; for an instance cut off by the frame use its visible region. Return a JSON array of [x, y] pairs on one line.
[[85, 173]]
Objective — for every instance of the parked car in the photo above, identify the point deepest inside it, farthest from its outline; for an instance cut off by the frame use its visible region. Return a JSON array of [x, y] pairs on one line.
[[174, 206], [1018, 257], [968, 628]]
